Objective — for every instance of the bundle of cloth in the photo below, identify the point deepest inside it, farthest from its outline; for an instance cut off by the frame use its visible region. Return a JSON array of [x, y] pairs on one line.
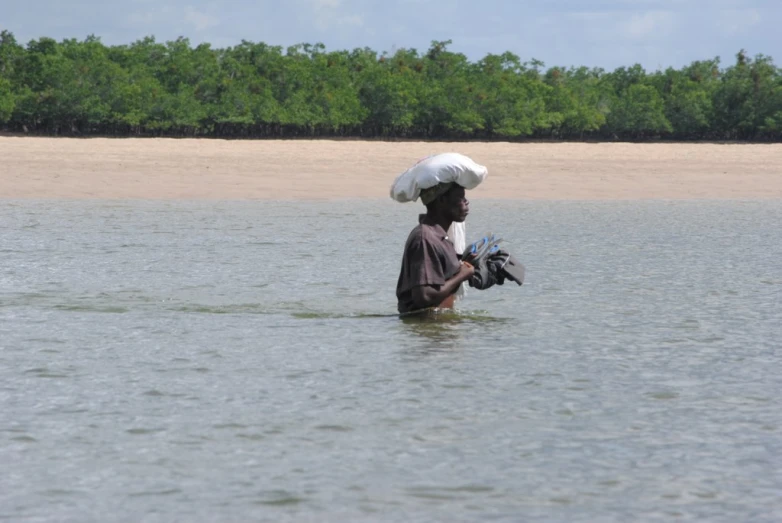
[[492, 264]]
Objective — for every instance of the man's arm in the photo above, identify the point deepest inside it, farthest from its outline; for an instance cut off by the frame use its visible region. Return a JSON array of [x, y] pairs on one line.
[[430, 296]]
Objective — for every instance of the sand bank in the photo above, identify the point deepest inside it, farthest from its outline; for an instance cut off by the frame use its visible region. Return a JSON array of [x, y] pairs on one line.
[[324, 169]]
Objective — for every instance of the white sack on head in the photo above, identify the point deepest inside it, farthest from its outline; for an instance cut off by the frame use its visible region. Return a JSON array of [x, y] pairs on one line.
[[438, 168]]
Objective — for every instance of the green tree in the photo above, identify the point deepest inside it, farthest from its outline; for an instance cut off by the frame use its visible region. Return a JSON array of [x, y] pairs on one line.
[[748, 100], [388, 90], [576, 102], [512, 97], [7, 101], [449, 93], [688, 98], [638, 110], [255, 89]]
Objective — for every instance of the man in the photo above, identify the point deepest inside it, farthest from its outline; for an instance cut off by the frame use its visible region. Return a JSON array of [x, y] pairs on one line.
[[431, 269]]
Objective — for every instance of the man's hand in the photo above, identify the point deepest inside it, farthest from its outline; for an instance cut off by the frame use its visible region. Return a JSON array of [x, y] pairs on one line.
[[466, 271]]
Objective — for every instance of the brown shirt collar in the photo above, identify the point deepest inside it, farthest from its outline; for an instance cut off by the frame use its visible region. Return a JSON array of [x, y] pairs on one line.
[[438, 229]]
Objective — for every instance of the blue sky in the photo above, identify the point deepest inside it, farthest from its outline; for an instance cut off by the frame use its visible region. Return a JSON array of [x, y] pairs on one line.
[[595, 33]]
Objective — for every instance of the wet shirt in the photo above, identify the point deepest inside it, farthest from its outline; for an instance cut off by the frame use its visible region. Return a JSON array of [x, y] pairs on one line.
[[429, 259]]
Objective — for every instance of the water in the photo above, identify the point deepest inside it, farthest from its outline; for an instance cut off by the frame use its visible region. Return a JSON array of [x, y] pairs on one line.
[[232, 361]]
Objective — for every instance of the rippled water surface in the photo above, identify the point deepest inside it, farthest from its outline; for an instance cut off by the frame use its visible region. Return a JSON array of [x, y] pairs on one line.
[[197, 361]]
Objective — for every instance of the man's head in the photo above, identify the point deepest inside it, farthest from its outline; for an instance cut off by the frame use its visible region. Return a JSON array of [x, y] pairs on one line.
[[446, 200]]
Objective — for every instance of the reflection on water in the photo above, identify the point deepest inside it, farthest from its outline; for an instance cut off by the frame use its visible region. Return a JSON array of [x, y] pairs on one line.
[[439, 332], [443, 329], [235, 361]]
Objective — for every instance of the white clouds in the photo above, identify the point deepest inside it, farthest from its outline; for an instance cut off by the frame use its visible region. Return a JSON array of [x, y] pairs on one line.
[[198, 20], [151, 16], [736, 21], [651, 23], [353, 20], [331, 14], [600, 33], [326, 4], [634, 26]]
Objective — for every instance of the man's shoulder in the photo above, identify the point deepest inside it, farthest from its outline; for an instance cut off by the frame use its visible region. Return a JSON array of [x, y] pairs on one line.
[[416, 233], [423, 233]]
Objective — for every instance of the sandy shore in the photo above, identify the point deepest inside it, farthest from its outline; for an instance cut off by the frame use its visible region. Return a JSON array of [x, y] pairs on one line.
[[221, 169]]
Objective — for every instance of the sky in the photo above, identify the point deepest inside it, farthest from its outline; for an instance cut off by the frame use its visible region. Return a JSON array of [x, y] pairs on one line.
[[596, 33]]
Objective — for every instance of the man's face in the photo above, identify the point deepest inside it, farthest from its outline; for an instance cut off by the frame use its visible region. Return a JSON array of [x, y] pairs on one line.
[[456, 205]]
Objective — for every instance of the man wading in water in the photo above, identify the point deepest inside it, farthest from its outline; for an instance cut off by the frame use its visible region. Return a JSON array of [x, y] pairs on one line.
[[431, 269]]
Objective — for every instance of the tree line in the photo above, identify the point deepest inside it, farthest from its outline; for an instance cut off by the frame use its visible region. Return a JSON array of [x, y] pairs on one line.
[[149, 88]]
